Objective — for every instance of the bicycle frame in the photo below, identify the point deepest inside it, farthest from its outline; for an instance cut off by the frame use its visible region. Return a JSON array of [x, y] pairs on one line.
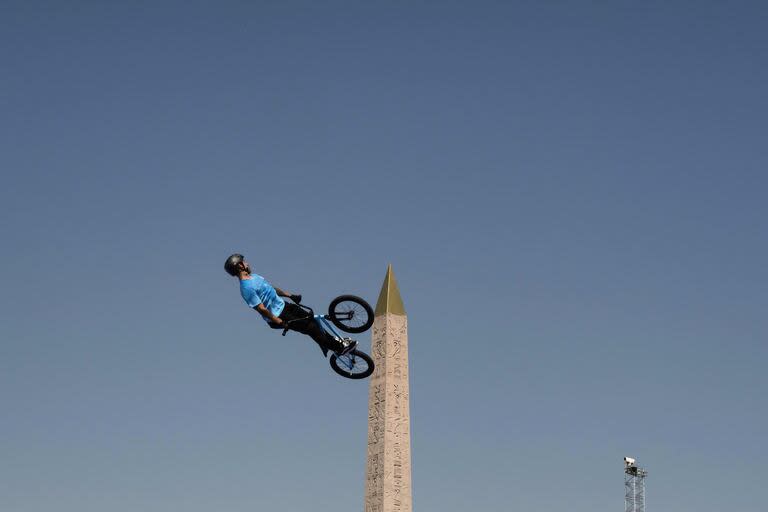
[[322, 320], [353, 364]]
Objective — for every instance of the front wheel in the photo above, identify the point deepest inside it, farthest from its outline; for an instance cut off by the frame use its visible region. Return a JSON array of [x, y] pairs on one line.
[[354, 365], [350, 313]]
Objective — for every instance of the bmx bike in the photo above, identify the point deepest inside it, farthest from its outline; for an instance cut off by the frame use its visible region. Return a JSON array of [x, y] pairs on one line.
[[350, 314]]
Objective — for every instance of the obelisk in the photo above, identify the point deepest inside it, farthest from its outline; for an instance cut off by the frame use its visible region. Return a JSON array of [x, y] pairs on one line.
[[388, 470]]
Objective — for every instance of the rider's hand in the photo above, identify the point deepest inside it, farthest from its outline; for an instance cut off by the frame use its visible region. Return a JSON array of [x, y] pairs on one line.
[[278, 320], [296, 298]]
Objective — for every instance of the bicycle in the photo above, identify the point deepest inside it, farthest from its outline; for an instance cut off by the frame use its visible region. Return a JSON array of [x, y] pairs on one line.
[[350, 314]]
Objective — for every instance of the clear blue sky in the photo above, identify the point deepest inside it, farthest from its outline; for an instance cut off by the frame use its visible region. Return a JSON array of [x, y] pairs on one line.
[[572, 195]]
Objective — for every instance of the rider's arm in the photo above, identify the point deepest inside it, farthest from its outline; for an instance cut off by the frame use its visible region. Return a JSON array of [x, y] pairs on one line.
[[282, 293], [263, 311]]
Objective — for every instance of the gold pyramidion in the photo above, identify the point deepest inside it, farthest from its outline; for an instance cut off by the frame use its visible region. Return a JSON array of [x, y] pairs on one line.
[[389, 297]]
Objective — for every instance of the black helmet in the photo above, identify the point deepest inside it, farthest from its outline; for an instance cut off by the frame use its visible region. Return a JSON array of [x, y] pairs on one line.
[[232, 264]]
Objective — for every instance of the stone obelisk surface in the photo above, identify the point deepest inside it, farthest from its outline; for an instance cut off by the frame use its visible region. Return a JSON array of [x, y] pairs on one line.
[[388, 470]]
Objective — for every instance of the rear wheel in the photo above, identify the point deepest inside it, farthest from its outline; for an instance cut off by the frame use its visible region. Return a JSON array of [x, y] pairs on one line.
[[354, 365], [350, 313]]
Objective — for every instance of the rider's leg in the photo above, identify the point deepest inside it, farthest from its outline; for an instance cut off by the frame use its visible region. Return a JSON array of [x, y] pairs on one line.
[[305, 324]]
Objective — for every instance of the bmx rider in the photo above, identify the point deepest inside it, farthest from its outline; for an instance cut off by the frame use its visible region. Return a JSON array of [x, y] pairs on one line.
[[279, 314]]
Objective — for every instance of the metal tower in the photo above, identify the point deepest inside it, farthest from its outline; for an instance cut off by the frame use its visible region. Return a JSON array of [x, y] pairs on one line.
[[634, 486]]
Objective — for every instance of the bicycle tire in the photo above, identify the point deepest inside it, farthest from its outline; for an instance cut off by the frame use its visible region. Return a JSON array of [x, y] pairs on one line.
[[334, 310], [345, 372]]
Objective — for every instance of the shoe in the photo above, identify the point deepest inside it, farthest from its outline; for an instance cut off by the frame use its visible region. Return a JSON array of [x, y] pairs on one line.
[[347, 346]]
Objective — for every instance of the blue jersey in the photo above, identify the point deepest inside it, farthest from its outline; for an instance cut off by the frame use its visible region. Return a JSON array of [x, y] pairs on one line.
[[257, 290]]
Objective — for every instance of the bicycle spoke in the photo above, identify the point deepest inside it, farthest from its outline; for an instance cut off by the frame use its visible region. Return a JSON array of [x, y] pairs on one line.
[[354, 313], [351, 364]]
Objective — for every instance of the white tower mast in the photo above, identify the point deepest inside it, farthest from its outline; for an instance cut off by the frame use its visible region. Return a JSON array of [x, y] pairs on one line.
[[634, 486]]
